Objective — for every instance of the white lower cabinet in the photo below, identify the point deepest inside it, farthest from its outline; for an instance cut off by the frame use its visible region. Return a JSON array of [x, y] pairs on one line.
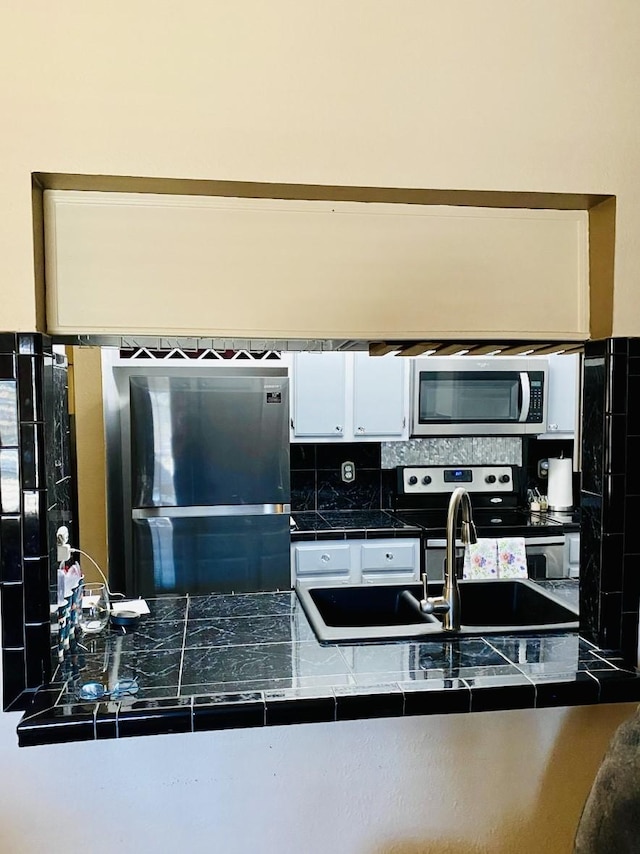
[[356, 561], [572, 554]]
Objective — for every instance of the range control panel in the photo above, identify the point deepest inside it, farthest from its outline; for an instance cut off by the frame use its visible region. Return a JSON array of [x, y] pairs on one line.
[[432, 480]]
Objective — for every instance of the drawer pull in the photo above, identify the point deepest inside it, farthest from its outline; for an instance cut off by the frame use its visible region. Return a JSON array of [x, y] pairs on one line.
[[325, 558], [389, 556]]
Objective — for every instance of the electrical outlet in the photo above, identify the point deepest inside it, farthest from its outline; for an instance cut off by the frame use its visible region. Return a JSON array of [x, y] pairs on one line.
[[348, 472]]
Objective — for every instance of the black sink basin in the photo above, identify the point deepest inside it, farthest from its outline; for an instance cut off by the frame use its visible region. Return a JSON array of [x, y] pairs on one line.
[[391, 611]]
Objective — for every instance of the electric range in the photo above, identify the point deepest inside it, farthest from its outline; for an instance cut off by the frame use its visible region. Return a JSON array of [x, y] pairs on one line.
[[422, 499]]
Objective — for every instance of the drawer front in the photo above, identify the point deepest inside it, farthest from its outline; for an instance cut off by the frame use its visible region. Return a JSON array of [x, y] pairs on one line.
[[395, 556], [318, 559]]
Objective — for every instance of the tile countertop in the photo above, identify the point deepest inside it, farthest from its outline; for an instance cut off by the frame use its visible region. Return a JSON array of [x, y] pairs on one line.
[[311, 525], [227, 661]]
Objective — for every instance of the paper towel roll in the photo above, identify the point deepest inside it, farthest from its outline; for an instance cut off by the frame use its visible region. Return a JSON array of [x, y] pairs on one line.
[[560, 489]]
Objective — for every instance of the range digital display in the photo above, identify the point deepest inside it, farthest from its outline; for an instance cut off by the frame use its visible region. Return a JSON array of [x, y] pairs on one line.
[[458, 476]]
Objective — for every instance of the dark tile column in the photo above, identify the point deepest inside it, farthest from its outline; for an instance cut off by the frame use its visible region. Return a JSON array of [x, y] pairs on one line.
[[610, 495], [35, 494]]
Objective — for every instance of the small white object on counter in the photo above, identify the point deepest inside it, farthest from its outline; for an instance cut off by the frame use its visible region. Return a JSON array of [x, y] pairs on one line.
[[139, 606]]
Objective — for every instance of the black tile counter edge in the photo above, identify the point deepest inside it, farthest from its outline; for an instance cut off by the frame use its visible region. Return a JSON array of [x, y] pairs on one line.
[[46, 724]]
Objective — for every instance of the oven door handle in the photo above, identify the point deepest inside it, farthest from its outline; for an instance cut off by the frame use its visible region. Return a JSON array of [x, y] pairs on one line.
[[557, 540], [525, 387]]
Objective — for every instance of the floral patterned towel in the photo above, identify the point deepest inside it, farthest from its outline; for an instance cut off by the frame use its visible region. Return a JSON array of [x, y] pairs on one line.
[[512, 558], [481, 560]]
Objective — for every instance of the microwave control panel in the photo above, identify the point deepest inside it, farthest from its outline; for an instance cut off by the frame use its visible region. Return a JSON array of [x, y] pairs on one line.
[[432, 480], [536, 401]]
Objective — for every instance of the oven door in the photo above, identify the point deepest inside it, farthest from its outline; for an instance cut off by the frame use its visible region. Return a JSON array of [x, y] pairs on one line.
[[545, 557]]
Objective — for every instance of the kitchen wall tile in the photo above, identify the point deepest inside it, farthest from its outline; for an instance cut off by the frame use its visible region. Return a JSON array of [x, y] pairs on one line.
[[613, 504], [10, 549], [616, 392], [34, 523], [8, 414], [454, 450], [612, 562], [7, 367], [610, 633], [302, 456], [388, 488], [615, 434], [8, 342], [633, 403], [36, 590], [363, 454], [37, 653], [30, 388], [13, 675], [629, 636], [590, 564], [631, 583], [12, 616], [32, 456], [497, 450], [362, 494], [303, 490], [9, 480], [594, 387]]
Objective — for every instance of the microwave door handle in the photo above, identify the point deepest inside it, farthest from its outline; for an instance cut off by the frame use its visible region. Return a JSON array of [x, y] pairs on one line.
[[525, 385]]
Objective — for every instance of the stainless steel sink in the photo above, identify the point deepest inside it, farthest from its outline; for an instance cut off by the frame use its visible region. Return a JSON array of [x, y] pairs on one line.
[[391, 611]]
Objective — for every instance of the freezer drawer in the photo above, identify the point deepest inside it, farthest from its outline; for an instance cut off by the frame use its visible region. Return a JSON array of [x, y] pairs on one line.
[[214, 554]]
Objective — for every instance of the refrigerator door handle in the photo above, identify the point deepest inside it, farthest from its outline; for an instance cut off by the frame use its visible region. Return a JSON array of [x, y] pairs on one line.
[[210, 510]]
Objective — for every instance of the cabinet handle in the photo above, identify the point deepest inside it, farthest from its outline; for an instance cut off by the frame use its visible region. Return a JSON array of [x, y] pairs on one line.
[[389, 556], [325, 558], [338, 429], [553, 426], [360, 429]]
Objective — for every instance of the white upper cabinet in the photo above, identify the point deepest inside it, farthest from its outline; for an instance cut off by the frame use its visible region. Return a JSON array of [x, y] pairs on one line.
[[348, 396], [563, 396], [379, 396], [319, 395], [152, 264]]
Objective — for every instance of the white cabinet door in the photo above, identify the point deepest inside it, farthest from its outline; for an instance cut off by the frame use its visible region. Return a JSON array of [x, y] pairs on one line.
[[572, 554], [327, 561], [562, 394], [319, 398], [378, 396]]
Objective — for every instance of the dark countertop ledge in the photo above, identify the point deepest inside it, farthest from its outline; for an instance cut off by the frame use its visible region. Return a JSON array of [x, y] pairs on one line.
[[246, 660]]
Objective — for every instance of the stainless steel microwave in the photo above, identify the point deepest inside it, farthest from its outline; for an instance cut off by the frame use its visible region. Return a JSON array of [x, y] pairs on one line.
[[491, 396]]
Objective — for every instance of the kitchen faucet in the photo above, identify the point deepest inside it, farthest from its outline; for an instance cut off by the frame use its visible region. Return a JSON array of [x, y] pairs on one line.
[[449, 603]]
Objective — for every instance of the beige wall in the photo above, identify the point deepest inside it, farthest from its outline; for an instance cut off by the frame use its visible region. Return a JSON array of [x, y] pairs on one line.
[[493, 95], [497, 95]]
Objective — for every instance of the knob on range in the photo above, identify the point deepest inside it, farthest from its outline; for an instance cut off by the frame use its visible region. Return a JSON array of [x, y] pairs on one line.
[[490, 478], [426, 480], [413, 480], [504, 478]]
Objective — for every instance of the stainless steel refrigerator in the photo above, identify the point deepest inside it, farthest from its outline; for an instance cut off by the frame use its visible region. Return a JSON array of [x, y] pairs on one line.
[[201, 493]]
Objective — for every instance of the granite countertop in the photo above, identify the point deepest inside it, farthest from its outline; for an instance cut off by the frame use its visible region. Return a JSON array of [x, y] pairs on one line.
[[226, 661]]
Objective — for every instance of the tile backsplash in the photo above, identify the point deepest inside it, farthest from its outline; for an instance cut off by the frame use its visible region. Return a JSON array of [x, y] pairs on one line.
[[462, 450], [316, 481]]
